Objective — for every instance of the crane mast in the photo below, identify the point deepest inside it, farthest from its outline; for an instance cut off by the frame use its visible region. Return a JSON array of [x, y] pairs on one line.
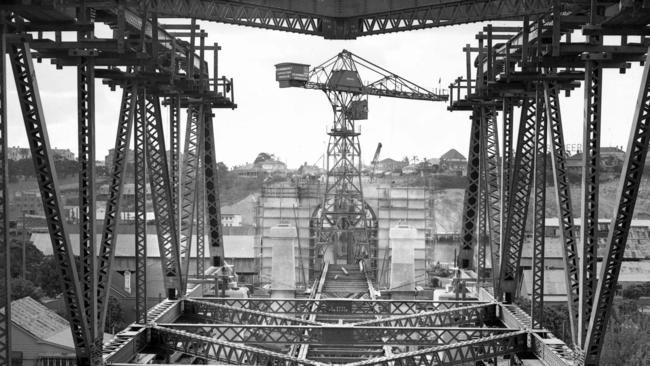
[[347, 227]]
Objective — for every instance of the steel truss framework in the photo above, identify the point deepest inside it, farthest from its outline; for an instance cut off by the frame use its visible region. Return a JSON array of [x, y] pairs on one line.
[[507, 74]]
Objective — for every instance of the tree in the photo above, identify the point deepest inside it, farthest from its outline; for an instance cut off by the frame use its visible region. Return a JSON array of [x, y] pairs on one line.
[[22, 288], [263, 157], [49, 278], [114, 316]]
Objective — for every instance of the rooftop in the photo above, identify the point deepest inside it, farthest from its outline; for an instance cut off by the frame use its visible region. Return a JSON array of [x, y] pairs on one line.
[[41, 322]]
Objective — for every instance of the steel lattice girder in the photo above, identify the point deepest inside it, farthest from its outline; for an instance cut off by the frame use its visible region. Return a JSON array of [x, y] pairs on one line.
[[210, 175], [5, 247], [518, 198], [140, 145], [470, 201], [109, 231], [539, 210], [492, 166], [30, 104], [209, 348], [335, 334], [475, 314], [200, 223], [161, 196], [209, 312], [302, 19], [191, 153], [506, 171], [628, 190], [174, 149], [563, 201], [338, 306], [458, 353], [589, 208]]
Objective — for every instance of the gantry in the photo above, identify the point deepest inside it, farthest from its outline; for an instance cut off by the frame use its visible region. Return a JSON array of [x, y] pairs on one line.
[[525, 65]]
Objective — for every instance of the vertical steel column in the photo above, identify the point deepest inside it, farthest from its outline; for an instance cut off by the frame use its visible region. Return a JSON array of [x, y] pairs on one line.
[[5, 247], [481, 261], [212, 191], [200, 222], [111, 217], [31, 107], [589, 208], [86, 144], [506, 170], [492, 187], [470, 202], [162, 198], [563, 201], [174, 148], [189, 182], [518, 200], [140, 145], [628, 189], [539, 210]]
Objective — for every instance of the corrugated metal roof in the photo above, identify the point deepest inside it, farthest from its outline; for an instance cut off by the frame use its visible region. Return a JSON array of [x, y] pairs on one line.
[[41, 322], [553, 281], [235, 246]]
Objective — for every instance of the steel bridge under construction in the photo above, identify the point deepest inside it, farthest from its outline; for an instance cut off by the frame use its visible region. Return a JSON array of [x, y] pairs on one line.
[[523, 67]]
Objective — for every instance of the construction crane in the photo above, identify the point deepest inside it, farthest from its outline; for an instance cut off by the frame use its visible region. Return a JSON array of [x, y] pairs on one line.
[[345, 221], [374, 162]]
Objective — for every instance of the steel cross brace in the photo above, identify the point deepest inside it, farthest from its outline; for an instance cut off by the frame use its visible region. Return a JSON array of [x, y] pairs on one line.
[[31, 107], [335, 334], [456, 353], [475, 314], [5, 247], [208, 312], [563, 201], [111, 217], [630, 183], [518, 199]]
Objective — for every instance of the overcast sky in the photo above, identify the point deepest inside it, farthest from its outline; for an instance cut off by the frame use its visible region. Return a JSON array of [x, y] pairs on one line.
[[291, 123]]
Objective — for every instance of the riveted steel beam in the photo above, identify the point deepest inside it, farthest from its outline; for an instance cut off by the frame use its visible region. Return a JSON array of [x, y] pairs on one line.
[[140, 162], [215, 232], [471, 199]]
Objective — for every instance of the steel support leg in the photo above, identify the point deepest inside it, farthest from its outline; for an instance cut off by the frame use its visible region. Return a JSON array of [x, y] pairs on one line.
[[162, 198], [539, 208], [86, 143], [628, 189], [111, 217], [506, 171], [140, 138], [189, 181], [563, 201], [215, 232], [200, 223], [519, 196], [493, 194], [589, 209], [30, 104], [5, 247], [470, 203]]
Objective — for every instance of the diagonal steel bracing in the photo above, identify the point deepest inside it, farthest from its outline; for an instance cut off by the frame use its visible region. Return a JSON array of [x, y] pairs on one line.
[[475, 314], [189, 181], [563, 201], [162, 198], [31, 107], [629, 185], [342, 335], [518, 199], [140, 160], [5, 247], [208, 312], [458, 353], [471, 200], [492, 186], [539, 211], [111, 217]]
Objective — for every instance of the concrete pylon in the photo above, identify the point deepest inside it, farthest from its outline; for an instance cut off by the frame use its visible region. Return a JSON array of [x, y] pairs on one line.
[[281, 239], [403, 240]]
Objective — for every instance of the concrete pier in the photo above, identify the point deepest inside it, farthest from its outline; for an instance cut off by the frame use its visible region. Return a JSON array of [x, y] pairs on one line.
[[283, 269], [403, 243]]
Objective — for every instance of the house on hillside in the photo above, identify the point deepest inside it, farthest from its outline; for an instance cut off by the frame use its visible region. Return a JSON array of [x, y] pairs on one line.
[[391, 165], [40, 337], [453, 163], [611, 160]]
